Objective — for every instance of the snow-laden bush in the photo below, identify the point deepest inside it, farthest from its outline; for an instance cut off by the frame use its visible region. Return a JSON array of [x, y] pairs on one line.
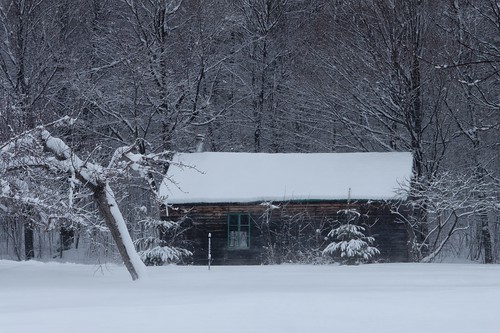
[[158, 249], [160, 255], [350, 243]]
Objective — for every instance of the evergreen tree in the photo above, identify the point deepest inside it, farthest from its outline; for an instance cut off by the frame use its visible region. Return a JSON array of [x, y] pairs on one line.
[[157, 247], [350, 243]]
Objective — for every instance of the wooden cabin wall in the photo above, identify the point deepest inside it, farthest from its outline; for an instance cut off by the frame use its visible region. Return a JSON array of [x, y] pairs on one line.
[[292, 229]]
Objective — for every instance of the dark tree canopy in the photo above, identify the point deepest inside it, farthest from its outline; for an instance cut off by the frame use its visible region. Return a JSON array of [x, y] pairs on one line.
[[257, 76]]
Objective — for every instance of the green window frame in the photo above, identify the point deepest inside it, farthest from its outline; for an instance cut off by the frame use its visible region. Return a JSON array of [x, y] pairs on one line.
[[238, 231]]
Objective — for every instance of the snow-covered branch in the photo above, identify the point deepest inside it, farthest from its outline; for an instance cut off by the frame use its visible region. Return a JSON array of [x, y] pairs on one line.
[[451, 201], [39, 148]]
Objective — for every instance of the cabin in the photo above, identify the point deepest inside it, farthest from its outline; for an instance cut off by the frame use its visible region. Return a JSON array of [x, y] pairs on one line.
[[259, 208]]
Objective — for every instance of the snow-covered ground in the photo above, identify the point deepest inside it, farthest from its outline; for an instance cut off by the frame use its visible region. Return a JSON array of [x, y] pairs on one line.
[[402, 298]]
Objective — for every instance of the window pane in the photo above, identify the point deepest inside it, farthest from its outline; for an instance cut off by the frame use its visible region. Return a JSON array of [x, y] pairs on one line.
[[238, 240], [233, 239], [233, 220], [243, 240], [244, 220]]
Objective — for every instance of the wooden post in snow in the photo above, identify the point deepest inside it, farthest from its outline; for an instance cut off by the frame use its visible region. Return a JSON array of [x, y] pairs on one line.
[[209, 249]]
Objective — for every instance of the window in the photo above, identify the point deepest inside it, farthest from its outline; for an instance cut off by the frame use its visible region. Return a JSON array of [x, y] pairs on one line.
[[238, 231]]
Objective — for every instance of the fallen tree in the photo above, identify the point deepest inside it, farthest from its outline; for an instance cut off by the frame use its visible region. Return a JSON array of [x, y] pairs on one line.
[[38, 148]]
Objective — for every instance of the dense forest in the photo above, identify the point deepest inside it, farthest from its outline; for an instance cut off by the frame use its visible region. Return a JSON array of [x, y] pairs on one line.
[[154, 77]]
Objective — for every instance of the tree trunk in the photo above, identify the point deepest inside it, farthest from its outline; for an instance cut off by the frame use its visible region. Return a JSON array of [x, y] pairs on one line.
[[413, 244], [486, 239], [29, 248], [105, 199]]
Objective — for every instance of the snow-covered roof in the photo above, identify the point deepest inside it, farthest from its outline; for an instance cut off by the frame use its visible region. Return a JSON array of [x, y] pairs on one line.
[[211, 177]]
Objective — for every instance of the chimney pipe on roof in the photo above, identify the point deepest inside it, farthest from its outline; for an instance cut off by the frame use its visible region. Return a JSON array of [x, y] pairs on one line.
[[200, 139]]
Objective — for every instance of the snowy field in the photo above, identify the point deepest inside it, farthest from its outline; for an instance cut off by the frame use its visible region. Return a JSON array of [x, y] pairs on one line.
[[402, 298]]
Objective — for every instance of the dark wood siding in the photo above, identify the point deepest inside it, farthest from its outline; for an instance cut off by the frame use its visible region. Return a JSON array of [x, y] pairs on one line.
[[307, 223]]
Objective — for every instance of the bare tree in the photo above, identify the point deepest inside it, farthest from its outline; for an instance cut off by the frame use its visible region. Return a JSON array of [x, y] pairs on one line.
[[475, 64], [29, 65], [383, 92], [451, 201]]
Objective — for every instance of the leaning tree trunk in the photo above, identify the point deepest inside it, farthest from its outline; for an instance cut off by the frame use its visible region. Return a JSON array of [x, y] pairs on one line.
[[105, 199]]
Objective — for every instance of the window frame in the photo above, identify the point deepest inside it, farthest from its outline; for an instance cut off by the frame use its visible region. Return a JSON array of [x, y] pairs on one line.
[[241, 226]]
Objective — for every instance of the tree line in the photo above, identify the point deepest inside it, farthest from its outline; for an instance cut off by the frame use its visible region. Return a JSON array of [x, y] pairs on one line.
[[255, 76]]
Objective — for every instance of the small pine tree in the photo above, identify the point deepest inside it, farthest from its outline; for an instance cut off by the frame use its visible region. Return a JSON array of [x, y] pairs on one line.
[[154, 250], [350, 243]]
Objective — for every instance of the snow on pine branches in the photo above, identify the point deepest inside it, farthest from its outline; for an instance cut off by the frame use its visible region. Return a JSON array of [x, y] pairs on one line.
[[153, 249], [350, 243], [160, 255]]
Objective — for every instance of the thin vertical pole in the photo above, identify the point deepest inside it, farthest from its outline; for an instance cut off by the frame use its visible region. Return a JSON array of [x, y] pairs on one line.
[[209, 249]]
